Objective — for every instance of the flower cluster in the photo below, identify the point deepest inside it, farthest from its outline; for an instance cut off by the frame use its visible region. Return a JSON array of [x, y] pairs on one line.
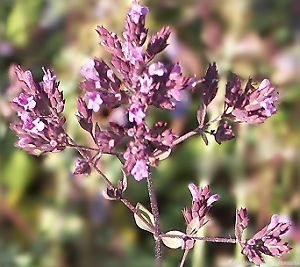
[[250, 105], [39, 106], [202, 202], [195, 216], [136, 83], [132, 82], [267, 241]]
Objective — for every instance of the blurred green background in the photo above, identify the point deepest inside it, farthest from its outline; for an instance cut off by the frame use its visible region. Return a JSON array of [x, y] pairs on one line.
[[50, 218]]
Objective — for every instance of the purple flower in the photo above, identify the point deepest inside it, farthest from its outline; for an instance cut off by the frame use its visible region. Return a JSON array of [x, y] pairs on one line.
[[101, 86], [158, 42], [267, 241], [161, 136], [135, 31], [49, 81], [195, 216], [136, 84], [234, 90], [133, 54], [94, 101], [39, 107], [84, 115], [201, 204], [26, 80], [157, 69], [253, 105], [146, 83], [25, 101], [145, 148], [136, 113], [107, 140], [137, 11], [137, 160], [34, 125], [131, 60], [140, 170], [265, 96], [88, 71]]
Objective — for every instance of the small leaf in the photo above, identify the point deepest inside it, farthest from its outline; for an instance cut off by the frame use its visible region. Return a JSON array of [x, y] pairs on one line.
[[164, 155], [172, 242], [204, 137], [124, 181], [233, 90], [210, 84], [201, 112], [147, 215]]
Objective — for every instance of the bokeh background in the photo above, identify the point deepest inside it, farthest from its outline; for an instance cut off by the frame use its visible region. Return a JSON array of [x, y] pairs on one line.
[[49, 218]]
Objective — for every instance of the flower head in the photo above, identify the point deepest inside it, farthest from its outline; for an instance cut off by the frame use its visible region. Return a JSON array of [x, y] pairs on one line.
[[252, 105], [135, 84], [201, 204], [39, 107], [267, 241]]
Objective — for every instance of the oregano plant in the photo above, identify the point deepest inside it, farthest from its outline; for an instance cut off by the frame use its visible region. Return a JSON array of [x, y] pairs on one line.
[[133, 80]]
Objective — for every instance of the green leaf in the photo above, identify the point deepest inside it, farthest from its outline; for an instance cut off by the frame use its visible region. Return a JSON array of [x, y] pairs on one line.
[[147, 215], [172, 242]]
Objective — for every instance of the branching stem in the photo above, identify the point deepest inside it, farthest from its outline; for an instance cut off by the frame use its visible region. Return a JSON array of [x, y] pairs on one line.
[[126, 202]]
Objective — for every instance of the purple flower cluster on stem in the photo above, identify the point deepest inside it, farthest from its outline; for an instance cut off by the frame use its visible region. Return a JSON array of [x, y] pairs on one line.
[[142, 84], [133, 81], [202, 201], [39, 106], [266, 241], [249, 105]]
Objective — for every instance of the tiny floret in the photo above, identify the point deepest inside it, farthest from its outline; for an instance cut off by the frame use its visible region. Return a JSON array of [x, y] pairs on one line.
[[140, 170], [94, 101], [137, 11]]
